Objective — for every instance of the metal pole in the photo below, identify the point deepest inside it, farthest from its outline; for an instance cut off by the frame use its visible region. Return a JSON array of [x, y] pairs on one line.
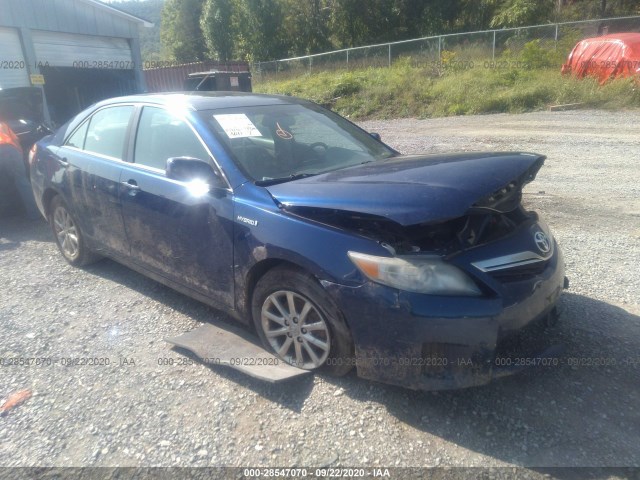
[[556, 38], [439, 48], [493, 54], [389, 54], [347, 59]]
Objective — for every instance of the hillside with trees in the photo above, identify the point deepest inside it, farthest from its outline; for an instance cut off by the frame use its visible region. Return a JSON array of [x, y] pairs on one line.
[[258, 30], [150, 10]]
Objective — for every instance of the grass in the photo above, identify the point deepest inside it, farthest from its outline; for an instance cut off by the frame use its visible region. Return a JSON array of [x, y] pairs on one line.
[[403, 90]]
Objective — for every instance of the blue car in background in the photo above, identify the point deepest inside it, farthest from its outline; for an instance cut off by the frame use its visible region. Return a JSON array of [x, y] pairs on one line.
[[420, 271]]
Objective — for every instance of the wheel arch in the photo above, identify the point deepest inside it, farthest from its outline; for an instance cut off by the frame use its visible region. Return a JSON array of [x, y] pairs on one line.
[[47, 197], [259, 270], [322, 299]]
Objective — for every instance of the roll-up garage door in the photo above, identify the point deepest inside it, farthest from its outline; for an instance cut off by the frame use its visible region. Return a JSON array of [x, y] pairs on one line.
[[81, 51], [13, 67]]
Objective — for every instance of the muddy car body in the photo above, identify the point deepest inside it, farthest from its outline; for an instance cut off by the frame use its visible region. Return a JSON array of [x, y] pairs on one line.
[[420, 271]]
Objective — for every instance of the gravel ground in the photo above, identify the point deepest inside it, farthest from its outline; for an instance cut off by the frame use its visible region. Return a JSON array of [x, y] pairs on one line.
[[137, 412]]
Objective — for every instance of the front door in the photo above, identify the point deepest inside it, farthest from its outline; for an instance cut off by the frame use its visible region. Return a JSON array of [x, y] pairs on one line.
[[176, 231]]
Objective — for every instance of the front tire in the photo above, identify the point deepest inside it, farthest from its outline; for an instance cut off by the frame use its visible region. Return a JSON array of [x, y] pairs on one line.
[[298, 322], [68, 235]]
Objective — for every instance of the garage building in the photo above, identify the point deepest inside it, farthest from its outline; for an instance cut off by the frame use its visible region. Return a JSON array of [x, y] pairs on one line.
[[82, 50]]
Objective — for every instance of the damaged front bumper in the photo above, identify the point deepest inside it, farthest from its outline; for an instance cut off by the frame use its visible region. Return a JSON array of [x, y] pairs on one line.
[[429, 342]]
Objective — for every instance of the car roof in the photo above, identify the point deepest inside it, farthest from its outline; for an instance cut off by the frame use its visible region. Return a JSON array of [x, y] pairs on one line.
[[207, 100]]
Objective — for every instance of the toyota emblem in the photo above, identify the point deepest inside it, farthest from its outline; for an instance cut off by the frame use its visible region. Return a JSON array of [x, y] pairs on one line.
[[542, 241]]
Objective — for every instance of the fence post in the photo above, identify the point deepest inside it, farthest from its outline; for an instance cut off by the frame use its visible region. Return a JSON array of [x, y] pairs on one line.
[[276, 70], [347, 59], [310, 63], [493, 52], [556, 37], [439, 48], [389, 54]]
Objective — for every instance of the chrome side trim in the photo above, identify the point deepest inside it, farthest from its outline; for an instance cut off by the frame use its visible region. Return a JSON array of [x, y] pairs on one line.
[[509, 261]]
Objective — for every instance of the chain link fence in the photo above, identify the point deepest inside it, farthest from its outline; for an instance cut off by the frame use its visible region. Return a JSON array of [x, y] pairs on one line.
[[547, 44]]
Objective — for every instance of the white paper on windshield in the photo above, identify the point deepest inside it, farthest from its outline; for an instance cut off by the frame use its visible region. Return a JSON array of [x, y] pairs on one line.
[[237, 125]]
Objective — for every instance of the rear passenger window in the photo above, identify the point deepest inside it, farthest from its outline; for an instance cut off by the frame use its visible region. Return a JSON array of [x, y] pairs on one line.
[[107, 131], [161, 136]]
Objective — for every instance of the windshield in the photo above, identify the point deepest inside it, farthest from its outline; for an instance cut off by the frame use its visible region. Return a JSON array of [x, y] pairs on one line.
[[282, 142]]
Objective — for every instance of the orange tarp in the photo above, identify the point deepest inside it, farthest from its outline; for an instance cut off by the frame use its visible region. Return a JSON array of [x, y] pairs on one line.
[[606, 57]]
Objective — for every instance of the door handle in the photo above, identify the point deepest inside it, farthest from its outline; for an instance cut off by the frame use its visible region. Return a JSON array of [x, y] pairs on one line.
[[63, 161], [132, 186]]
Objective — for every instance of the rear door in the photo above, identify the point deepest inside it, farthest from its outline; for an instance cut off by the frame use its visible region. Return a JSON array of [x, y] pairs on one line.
[[92, 159], [181, 234]]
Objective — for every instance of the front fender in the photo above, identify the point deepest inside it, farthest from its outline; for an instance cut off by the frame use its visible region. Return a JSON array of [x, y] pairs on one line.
[[265, 233]]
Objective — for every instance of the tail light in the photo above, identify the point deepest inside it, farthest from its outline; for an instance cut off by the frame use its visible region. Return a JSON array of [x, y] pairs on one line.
[[7, 137]]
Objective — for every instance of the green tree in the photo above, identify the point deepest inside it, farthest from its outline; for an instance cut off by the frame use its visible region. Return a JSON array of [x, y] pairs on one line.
[[475, 14], [218, 28], [519, 13], [306, 26], [354, 24], [441, 17], [586, 9], [259, 30], [407, 18], [180, 31]]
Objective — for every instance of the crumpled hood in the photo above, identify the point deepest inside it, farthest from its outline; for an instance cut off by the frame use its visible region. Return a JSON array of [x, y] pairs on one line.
[[414, 189]]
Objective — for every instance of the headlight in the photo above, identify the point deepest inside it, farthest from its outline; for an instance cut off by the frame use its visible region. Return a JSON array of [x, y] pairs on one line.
[[416, 274]]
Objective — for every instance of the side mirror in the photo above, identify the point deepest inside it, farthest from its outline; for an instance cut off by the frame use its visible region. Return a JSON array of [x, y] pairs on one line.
[[187, 169], [376, 136]]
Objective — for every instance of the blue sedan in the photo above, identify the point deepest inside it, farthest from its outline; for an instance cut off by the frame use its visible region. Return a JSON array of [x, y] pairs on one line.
[[423, 271]]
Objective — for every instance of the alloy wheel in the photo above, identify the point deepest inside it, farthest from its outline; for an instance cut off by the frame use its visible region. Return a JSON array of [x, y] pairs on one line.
[[295, 329], [66, 232]]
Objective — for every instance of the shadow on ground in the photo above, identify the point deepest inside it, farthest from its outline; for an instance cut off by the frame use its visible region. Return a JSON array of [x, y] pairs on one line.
[[16, 229], [290, 394]]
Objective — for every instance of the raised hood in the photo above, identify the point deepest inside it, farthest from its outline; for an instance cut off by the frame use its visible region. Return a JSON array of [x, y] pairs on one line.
[[414, 189]]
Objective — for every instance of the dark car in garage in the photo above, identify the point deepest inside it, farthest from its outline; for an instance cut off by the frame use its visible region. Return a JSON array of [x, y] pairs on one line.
[[22, 110], [418, 270], [21, 125]]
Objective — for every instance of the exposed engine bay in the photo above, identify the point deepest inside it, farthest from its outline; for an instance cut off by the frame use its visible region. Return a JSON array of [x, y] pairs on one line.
[[480, 226]]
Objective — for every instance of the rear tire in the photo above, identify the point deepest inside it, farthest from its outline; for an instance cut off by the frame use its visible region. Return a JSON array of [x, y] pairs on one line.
[[68, 235], [299, 323]]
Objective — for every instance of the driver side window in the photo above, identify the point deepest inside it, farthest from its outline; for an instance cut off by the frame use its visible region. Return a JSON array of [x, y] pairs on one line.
[[161, 136]]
